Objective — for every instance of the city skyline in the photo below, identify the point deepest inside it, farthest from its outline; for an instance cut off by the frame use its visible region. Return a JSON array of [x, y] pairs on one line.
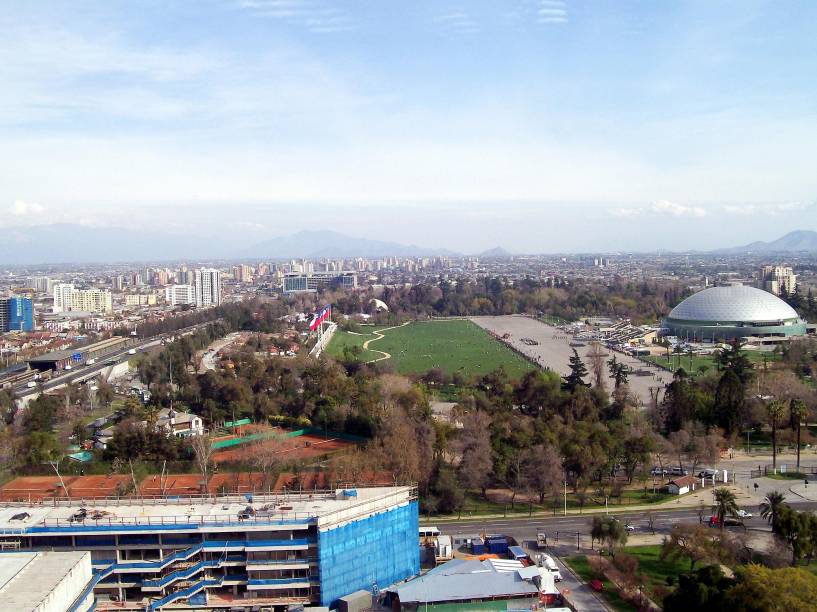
[[536, 126]]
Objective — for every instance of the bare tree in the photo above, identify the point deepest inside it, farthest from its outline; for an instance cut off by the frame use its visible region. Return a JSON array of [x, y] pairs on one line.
[[596, 356], [474, 443], [203, 451]]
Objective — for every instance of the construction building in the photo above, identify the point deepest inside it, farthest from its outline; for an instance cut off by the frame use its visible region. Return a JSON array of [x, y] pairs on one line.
[[217, 553]]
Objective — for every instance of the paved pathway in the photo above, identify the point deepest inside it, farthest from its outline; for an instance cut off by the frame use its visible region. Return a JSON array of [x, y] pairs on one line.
[[380, 336]]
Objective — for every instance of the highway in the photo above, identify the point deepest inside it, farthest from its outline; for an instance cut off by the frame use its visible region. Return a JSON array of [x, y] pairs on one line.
[[84, 372]]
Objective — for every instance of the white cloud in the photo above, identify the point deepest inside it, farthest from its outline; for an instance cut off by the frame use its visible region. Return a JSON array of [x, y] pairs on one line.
[[661, 208], [24, 209]]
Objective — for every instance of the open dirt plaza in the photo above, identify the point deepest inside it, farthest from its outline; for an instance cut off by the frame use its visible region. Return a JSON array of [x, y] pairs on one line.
[[553, 351]]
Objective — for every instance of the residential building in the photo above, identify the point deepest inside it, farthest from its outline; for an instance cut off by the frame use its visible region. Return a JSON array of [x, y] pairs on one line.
[[62, 297], [180, 295], [222, 551], [140, 299], [780, 280], [46, 581], [296, 283], [207, 285], [180, 424]]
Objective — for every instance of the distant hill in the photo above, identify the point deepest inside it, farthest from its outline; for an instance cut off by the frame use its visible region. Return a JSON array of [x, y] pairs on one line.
[[326, 243], [495, 253], [794, 242]]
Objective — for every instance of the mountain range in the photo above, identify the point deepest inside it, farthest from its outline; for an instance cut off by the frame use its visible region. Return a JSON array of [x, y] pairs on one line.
[[794, 242], [67, 243]]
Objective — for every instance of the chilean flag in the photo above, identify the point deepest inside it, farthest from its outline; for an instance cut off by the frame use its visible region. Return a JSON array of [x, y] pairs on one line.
[[320, 317]]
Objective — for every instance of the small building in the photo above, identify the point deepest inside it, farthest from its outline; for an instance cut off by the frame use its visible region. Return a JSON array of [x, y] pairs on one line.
[[46, 581], [681, 485], [502, 583]]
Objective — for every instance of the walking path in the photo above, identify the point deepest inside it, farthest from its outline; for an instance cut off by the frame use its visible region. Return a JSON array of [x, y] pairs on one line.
[[380, 336]]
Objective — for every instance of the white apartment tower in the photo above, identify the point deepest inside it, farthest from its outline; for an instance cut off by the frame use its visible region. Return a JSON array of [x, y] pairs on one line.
[[207, 285], [780, 280], [62, 297], [180, 295]]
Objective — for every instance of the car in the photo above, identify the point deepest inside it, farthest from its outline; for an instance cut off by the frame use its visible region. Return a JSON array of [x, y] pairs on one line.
[[743, 514]]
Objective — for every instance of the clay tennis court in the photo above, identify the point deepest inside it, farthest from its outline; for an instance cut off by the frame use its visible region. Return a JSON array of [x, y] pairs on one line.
[[189, 484], [37, 488], [306, 446]]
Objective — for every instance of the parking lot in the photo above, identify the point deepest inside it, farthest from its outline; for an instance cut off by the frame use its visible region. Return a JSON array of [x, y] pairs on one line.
[[552, 350]]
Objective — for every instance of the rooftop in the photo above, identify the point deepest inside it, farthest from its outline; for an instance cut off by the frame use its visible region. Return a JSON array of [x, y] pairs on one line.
[[200, 511], [28, 578], [733, 303]]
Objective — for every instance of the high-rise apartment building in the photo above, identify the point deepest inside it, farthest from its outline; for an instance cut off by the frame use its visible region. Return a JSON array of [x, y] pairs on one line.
[[779, 280], [207, 284], [16, 314], [62, 297], [180, 295], [68, 299]]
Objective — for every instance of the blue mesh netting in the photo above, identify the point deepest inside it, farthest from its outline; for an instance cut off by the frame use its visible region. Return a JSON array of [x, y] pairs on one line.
[[378, 550]]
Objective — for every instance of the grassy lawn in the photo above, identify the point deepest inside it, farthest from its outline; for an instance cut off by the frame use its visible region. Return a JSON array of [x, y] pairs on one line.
[[580, 565], [452, 345], [787, 476], [653, 568], [692, 365]]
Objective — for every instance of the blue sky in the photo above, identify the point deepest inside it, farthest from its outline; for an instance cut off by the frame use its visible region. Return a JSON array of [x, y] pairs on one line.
[[537, 125]]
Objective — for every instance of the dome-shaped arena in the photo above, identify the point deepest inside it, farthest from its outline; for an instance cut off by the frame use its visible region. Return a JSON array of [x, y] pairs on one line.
[[736, 311]]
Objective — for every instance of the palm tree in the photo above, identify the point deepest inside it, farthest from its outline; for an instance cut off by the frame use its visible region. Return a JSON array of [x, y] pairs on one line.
[[799, 411], [775, 411], [725, 504], [771, 507]]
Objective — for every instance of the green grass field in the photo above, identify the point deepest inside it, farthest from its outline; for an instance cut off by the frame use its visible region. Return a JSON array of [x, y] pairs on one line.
[[452, 345], [708, 361]]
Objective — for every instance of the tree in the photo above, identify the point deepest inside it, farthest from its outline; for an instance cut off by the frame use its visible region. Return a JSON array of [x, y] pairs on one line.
[[693, 542], [759, 589], [771, 507], [475, 444], [609, 530], [203, 451], [729, 402], [544, 472], [725, 505], [798, 411], [578, 371], [793, 527], [704, 589], [774, 412], [733, 359]]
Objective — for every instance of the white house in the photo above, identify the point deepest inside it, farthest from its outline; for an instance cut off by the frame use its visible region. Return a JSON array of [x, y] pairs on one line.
[[682, 485]]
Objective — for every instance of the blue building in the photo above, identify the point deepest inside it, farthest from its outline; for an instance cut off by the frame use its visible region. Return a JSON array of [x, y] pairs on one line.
[[21, 314], [248, 551], [16, 314]]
